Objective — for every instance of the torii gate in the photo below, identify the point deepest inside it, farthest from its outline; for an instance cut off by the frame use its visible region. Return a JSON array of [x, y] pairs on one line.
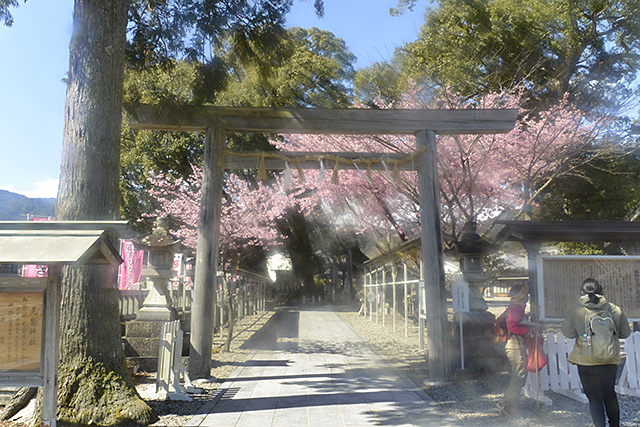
[[218, 121]]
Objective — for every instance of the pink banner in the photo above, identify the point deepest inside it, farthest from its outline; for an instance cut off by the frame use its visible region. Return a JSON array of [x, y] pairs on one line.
[[32, 270], [131, 268], [177, 267]]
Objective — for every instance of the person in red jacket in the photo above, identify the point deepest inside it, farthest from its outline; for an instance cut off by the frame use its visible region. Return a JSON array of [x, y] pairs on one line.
[[516, 347]]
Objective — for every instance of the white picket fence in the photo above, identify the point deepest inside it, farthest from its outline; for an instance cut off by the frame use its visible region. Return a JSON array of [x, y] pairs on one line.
[[559, 375], [562, 377], [170, 367], [629, 382]]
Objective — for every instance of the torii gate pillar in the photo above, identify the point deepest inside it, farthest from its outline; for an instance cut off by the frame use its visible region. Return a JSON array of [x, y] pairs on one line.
[[432, 257], [204, 292]]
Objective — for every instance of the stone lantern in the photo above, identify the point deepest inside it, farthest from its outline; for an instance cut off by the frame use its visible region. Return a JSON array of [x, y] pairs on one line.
[[142, 335], [471, 251], [160, 247], [480, 352]]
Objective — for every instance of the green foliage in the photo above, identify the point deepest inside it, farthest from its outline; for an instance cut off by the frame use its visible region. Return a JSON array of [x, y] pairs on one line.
[[587, 48], [313, 69], [605, 189], [402, 7], [380, 81], [206, 31], [299, 245], [5, 14], [577, 248]]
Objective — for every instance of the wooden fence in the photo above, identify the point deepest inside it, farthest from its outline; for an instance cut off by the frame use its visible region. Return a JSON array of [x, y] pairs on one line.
[[249, 294], [131, 300], [172, 380], [382, 290], [562, 377], [629, 382], [559, 375]]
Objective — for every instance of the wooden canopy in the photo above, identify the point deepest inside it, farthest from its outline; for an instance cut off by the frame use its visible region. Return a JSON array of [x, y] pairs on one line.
[[58, 242], [54, 243], [569, 231]]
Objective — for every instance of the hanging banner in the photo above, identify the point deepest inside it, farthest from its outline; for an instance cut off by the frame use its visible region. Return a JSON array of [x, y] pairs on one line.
[[131, 268], [177, 266]]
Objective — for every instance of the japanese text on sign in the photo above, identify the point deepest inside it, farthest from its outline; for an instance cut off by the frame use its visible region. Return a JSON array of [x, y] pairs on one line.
[[560, 278], [20, 330]]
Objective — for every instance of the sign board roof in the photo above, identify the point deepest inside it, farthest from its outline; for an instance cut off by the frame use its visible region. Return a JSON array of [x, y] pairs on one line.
[[570, 231], [57, 242]]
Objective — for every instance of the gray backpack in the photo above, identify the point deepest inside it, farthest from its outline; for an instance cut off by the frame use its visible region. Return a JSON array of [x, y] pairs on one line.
[[601, 338]]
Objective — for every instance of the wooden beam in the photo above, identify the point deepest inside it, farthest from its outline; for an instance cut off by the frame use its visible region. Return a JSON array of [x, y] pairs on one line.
[[310, 160], [321, 120]]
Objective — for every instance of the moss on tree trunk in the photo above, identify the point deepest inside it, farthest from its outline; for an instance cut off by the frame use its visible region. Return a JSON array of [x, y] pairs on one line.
[[94, 385]]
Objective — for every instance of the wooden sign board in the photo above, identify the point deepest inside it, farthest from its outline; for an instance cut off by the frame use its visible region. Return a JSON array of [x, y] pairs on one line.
[[21, 314], [560, 278]]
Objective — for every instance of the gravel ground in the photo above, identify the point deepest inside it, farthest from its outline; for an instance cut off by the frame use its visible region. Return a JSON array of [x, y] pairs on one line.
[[178, 413], [473, 402]]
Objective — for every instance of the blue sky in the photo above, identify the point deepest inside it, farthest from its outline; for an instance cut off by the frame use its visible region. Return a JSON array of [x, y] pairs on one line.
[[35, 54]]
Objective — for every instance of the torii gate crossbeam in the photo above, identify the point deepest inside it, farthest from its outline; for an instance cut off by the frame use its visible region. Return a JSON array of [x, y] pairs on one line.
[[218, 121]]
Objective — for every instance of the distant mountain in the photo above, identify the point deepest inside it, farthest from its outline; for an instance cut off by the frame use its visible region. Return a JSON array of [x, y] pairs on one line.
[[16, 207]]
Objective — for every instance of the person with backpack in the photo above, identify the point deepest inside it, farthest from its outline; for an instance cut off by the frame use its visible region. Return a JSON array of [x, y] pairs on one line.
[[516, 346], [597, 326]]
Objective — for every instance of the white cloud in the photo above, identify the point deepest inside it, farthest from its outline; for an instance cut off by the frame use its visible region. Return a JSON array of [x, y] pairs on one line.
[[40, 189]]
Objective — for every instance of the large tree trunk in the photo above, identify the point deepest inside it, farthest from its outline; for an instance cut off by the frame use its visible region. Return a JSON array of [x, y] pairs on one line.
[[94, 385]]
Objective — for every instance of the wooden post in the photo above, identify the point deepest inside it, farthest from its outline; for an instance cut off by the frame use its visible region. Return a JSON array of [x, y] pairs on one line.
[[421, 303], [371, 300], [349, 283], [377, 297], [432, 256], [533, 250], [384, 295], [406, 301], [51, 344], [221, 313], [394, 274], [365, 290], [205, 286]]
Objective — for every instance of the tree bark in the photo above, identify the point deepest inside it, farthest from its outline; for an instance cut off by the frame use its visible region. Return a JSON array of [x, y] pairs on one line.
[[94, 386], [17, 402]]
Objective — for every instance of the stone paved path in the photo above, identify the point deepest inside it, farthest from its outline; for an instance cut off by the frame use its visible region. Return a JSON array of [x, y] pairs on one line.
[[309, 368]]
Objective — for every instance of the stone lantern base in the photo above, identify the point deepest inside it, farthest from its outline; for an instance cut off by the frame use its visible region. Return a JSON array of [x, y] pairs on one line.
[[142, 335], [482, 355]]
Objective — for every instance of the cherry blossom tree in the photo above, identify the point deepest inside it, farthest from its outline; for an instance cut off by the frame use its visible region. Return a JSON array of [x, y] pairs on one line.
[[481, 176], [250, 210]]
